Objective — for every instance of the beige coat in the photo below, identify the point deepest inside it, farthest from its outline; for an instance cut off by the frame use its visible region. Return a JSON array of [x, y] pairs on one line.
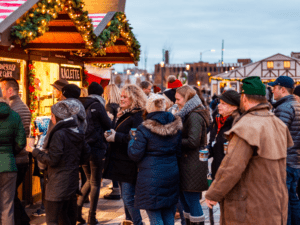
[[251, 181]]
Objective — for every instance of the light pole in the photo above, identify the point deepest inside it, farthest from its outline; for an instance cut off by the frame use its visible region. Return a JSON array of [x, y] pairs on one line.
[[162, 64], [211, 50], [187, 67]]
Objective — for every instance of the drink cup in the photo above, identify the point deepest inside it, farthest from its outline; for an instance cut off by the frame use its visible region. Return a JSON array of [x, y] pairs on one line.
[[226, 147], [203, 155], [133, 131], [108, 132], [30, 142]]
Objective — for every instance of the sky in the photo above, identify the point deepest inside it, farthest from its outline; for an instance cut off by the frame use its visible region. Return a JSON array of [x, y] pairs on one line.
[[253, 29]]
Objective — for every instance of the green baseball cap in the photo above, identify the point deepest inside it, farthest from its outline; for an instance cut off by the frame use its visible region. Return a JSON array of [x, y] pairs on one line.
[[253, 86]]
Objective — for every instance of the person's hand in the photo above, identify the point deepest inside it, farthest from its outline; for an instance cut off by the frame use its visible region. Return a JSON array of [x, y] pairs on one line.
[[29, 148], [110, 138], [210, 203]]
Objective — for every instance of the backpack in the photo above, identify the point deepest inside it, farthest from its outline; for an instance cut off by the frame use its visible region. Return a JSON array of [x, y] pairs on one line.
[[90, 134]]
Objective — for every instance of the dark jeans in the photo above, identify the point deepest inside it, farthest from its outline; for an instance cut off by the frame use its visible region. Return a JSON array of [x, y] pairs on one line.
[[7, 194], [292, 177], [62, 212], [180, 210], [128, 192], [191, 203], [163, 216], [93, 172], [21, 217]]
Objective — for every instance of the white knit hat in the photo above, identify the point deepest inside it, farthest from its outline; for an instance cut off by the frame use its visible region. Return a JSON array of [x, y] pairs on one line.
[[155, 103]]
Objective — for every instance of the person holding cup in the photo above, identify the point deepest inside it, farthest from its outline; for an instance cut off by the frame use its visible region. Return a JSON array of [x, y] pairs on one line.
[[192, 171], [228, 111], [119, 167]]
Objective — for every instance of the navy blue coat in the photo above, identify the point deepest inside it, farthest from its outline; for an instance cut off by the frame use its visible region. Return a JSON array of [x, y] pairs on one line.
[[288, 110], [155, 148]]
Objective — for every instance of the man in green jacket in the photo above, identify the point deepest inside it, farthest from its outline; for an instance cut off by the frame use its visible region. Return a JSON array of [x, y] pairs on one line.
[[12, 141]]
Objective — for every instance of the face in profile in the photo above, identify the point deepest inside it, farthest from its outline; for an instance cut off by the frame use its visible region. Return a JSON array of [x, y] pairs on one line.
[[56, 93], [179, 100]]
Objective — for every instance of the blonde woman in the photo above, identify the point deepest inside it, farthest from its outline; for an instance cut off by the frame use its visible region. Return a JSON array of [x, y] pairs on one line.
[[112, 97], [119, 166]]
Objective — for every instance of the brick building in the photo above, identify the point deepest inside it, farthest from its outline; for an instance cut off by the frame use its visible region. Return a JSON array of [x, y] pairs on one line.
[[197, 72]]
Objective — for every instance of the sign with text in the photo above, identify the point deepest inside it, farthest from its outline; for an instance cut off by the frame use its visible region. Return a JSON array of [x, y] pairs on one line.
[[69, 73], [10, 69]]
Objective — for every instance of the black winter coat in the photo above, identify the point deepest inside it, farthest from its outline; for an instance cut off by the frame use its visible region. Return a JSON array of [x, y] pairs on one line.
[[193, 172], [119, 167], [155, 148], [216, 150], [67, 149], [101, 123], [288, 110]]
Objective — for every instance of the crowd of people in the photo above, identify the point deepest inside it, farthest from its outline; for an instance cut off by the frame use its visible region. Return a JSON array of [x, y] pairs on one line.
[[148, 144]]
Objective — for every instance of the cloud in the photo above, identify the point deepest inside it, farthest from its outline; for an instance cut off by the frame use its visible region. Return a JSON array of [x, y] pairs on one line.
[[255, 29]]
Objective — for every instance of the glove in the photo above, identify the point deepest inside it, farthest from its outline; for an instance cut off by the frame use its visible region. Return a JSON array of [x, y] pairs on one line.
[[110, 138]]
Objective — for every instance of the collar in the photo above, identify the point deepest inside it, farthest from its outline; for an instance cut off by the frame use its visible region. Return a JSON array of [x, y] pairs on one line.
[[14, 97], [284, 99]]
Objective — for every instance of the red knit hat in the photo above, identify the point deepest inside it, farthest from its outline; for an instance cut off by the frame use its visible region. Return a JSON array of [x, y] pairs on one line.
[[156, 89], [176, 84]]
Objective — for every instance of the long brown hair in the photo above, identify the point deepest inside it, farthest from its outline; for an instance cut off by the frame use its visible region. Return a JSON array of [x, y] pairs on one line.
[[186, 91]]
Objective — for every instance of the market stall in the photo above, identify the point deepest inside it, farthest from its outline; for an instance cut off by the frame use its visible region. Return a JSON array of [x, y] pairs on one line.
[[267, 69]]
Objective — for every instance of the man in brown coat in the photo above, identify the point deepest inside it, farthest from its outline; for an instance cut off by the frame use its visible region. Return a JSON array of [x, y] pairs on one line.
[[251, 181]]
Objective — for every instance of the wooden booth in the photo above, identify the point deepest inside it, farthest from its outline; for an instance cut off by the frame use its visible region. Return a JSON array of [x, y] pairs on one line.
[[267, 69], [42, 41]]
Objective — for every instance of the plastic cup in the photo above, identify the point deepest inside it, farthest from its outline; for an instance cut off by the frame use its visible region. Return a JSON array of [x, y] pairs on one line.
[[226, 147], [108, 132], [203, 155], [133, 131], [30, 142]]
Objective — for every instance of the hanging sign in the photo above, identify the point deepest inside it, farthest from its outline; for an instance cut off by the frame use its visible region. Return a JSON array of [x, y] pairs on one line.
[[10, 69], [69, 73]]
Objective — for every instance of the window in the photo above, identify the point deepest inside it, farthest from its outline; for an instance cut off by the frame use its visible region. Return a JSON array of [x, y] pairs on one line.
[[287, 64], [205, 69], [197, 69], [215, 69], [210, 69], [270, 64]]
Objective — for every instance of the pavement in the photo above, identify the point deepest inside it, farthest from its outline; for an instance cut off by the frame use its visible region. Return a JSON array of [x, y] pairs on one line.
[[112, 211]]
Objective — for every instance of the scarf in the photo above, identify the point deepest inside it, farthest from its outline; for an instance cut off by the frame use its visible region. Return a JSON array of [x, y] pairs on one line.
[[221, 121], [189, 106], [99, 98]]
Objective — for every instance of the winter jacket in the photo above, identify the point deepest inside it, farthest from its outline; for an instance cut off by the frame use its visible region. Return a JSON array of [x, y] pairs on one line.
[[12, 138], [155, 148], [101, 123], [18, 106], [251, 182], [288, 110], [113, 109], [216, 142], [193, 172], [118, 166], [66, 150]]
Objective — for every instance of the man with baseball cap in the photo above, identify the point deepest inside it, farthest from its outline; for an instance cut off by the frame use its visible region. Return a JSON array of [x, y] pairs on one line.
[[288, 110], [58, 86], [250, 183]]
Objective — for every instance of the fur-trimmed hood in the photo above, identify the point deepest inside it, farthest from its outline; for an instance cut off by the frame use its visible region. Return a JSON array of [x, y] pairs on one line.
[[163, 123]]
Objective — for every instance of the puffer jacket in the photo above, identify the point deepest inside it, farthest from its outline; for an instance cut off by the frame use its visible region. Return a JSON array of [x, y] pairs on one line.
[[288, 110], [66, 150], [155, 148], [18, 106], [12, 138]]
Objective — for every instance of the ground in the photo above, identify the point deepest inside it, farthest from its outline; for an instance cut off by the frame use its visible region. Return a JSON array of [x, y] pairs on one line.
[[112, 212]]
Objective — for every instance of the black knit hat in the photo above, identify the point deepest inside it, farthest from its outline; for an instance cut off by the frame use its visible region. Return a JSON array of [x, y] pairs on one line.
[[95, 88], [297, 90], [71, 91], [171, 94], [231, 97]]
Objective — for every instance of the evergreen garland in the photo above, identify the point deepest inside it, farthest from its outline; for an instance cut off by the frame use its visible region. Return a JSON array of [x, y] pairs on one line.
[[33, 104], [35, 23], [119, 27]]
